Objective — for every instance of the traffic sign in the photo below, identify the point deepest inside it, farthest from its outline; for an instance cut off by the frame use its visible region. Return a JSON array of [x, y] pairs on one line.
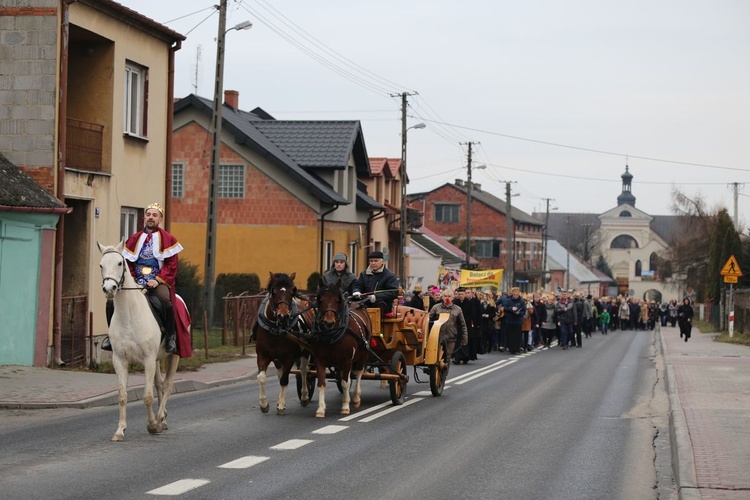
[[730, 279], [731, 268]]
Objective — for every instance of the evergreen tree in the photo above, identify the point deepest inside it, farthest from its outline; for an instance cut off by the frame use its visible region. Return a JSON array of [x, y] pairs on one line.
[[725, 242]]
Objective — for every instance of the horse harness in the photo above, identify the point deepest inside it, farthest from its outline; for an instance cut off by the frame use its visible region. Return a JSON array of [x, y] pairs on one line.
[[274, 327], [122, 277]]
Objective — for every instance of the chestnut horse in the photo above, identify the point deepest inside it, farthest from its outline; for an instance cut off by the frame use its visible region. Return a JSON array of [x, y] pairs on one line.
[[340, 339], [279, 317]]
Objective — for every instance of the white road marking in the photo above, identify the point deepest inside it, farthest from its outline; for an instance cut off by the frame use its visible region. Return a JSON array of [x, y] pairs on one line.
[[364, 412], [244, 462], [178, 487], [330, 429], [391, 410], [481, 373], [422, 394], [492, 367], [292, 444]]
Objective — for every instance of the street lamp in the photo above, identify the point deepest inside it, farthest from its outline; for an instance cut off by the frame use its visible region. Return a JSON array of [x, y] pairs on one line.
[[404, 218], [469, 188], [213, 208]]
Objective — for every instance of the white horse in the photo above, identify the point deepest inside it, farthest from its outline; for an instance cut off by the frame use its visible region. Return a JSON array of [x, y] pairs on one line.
[[136, 338]]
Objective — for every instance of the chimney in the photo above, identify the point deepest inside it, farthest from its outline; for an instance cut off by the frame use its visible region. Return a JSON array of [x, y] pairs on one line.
[[232, 97], [460, 182], [476, 186]]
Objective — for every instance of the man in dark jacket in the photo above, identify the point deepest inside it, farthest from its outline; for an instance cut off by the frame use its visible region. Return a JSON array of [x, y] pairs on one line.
[[378, 282], [340, 273], [566, 311], [515, 309]]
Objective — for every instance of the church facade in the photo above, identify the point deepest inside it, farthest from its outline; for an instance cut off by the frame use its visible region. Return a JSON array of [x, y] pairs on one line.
[[631, 245]]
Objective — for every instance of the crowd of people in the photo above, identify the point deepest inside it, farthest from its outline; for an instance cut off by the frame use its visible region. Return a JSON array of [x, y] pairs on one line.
[[481, 322], [515, 322]]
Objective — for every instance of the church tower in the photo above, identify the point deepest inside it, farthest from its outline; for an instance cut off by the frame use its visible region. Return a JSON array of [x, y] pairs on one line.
[[626, 197]]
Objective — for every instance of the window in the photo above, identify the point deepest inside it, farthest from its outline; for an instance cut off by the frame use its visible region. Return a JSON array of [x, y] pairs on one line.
[[129, 218], [231, 181], [328, 255], [637, 267], [353, 257], [136, 98], [487, 249], [625, 213], [178, 180], [446, 213], [624, 241]]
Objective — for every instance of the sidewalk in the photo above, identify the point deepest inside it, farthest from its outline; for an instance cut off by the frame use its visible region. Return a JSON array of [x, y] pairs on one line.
[[31, 387], [709, 392]]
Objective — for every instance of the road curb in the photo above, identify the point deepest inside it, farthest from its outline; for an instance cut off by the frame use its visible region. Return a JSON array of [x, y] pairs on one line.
[[135, 393], [683, 462]]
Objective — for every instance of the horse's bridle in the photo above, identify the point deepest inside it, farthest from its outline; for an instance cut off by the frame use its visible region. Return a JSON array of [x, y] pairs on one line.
[[122, 278]]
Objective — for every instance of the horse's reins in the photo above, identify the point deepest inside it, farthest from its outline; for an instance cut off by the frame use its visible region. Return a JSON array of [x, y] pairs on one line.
[[122, 278]]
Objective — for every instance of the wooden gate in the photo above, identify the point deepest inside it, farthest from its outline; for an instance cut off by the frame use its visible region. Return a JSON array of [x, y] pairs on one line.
[[74, 329]]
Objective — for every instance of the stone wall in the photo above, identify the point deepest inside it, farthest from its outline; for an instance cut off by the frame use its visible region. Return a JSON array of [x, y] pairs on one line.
[[28, 83]]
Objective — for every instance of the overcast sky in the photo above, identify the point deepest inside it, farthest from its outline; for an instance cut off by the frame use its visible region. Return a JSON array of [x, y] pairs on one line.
[[559, 95]]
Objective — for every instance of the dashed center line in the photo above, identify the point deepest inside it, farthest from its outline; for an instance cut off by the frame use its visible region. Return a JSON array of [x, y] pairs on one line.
[[391, 410], [178, 487], [292, 444], [330, 429], [244, 462]]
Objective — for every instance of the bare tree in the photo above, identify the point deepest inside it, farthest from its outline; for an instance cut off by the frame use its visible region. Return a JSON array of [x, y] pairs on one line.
[[581, 235]]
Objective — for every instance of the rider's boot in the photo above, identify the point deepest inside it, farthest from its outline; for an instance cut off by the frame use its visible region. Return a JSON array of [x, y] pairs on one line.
[[106, 346], [170, 330]]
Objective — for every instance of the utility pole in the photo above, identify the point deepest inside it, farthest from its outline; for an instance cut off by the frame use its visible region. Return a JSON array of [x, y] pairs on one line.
[[213, 210], [402, 235], [545, 236], [509, 250], [468, 204], [735, 186]]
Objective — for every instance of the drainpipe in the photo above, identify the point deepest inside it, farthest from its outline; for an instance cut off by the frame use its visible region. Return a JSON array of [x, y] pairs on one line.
[[322, 235], [377, 215], [62, 124], [170, 120]]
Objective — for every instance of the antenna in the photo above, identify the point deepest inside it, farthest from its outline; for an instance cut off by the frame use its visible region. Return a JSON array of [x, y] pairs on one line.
[[197, 68]]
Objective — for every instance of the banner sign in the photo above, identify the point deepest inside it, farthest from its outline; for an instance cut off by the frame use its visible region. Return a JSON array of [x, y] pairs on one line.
[[479, 279]]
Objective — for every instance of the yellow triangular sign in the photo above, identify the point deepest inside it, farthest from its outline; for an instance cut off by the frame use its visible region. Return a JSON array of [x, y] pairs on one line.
[[731, 268]]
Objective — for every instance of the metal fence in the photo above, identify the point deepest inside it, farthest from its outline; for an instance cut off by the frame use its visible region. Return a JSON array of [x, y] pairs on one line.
[[74, 329], [240, 312]]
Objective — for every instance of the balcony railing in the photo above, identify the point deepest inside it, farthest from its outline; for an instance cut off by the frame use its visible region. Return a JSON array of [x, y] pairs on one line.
[[84, 145]]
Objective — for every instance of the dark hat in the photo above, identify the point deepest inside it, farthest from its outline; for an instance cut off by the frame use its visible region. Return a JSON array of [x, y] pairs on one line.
[[339, 256], [375, 255]]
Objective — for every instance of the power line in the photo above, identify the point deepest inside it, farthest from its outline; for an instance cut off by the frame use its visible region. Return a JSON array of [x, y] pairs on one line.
[[591, 150], [191, 14]]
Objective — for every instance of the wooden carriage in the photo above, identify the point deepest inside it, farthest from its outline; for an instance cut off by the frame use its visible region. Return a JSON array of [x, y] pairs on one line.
[[406, 339]]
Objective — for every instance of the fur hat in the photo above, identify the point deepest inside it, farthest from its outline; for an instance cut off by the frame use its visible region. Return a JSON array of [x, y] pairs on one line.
[[339, 256]]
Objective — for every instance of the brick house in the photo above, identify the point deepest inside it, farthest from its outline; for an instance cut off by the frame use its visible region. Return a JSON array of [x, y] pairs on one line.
[[289, 194], [85, 104], [444, 212]]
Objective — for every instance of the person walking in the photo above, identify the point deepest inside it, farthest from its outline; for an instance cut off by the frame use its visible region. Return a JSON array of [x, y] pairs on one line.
[[515, 309], [624, 314], [566, 311], [685, 318], [549, 320], [454, 330], [489, 310], [673, 312], [472, 317], [604, 321], [588, 316]]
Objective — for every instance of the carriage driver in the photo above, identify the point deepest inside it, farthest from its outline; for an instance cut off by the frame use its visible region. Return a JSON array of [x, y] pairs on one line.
[[378, 281], [152, 258]]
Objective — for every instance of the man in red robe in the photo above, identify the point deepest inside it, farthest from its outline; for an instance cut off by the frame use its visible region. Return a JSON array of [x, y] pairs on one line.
[[152, 258]]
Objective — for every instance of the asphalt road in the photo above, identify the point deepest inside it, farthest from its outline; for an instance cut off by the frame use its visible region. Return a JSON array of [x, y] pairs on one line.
[[581, 423]]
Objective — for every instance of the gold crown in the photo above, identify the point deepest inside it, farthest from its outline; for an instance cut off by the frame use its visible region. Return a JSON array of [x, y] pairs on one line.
[[156, 206]]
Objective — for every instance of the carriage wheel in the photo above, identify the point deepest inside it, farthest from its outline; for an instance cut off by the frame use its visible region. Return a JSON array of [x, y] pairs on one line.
[[439, 371], [310, 387], [398, 387]]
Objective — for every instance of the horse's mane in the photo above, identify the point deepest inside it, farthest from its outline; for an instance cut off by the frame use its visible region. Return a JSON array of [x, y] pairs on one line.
[[279, 279]]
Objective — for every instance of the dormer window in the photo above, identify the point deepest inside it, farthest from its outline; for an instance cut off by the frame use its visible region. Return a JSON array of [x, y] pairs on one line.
[[625, 213]]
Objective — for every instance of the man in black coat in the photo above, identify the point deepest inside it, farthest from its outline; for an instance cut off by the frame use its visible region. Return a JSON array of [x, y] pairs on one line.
[[378, 282]]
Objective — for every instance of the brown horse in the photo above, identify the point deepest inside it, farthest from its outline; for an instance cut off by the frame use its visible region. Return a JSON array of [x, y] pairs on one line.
[[339, 339], [278, 317]]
